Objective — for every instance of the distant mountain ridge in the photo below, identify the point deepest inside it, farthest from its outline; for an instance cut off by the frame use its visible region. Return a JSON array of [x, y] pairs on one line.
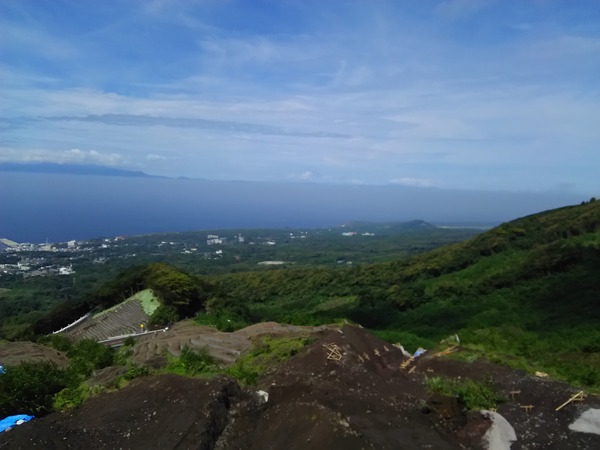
[[412, 225], [71, 169]]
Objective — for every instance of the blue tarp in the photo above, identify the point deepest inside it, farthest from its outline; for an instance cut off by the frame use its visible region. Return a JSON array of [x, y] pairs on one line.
[[11, 421], [2, 369], [419, 352]]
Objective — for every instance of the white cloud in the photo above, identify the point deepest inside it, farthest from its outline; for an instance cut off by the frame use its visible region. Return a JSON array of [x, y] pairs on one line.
[[308, 175], [365, 92], [76, 155], [416, 182]]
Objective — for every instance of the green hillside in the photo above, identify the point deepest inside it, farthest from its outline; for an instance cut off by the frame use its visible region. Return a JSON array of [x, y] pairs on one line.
[[180, 295], [526, 293], [529, 289]]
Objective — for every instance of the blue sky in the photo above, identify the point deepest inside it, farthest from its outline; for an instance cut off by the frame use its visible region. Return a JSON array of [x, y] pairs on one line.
[[456, 94]]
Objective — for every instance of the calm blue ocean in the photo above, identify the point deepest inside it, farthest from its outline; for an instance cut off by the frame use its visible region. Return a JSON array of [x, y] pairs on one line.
[[36, 207]]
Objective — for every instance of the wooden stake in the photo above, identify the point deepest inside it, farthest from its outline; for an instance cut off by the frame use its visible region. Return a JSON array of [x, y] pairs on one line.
[[406, 363], [577, 397], [334, 352]]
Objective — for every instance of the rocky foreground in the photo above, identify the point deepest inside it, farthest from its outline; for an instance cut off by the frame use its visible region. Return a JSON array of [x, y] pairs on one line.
[[365, 394]]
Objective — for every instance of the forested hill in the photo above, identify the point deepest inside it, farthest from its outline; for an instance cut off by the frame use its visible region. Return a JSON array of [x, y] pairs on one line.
[[180, 295], [527, 292], [555, 238], [529, 288]]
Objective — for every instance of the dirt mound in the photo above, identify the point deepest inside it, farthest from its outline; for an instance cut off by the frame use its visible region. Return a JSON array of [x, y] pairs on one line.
[[530, 402], [361, 400], [164, 412], [14, 353], [346, 390], [226, 347]]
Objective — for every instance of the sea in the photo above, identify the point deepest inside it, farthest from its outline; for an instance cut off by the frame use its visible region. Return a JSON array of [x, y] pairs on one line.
[[36, 207]]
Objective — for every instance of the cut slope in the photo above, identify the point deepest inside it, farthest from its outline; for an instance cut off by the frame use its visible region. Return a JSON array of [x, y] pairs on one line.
[[122, 319], [14, 353]]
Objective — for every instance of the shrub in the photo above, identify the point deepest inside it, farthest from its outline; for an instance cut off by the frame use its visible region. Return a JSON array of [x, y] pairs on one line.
[[245, 373], [197, 362], [88, 355], [475, 395], [191, 362], [29, 388], [60, 342], [72, 397], [264, 354], [136, 371], [164, 315]]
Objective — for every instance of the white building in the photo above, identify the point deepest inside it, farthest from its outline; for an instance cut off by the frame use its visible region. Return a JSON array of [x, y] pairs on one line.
[[66, 270]]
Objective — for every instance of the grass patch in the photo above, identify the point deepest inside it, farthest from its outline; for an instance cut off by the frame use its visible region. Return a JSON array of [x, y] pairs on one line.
[[111, 309], [72, 397], [264, 354], [194, 363], [337, 302], [474, 395], [149, 301]]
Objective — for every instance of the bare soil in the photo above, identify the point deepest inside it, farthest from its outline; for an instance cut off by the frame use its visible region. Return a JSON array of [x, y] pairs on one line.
[[362, 399], [226, 347], [14, 353]]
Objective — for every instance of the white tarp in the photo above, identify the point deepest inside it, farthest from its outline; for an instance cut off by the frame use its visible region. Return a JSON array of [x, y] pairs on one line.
[[501, 434], [588, 422]]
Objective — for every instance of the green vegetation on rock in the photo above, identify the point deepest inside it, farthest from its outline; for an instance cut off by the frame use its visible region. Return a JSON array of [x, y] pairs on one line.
[[474, 395], [194, 363], [265, 353]]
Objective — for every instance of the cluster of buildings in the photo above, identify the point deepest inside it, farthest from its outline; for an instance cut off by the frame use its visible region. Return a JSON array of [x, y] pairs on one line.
[[213, 239], [354, 233], [31, 264], [35, 271]]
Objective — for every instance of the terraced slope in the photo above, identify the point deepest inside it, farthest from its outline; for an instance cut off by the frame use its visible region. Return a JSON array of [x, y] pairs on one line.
[[226, 347], [122, 319]]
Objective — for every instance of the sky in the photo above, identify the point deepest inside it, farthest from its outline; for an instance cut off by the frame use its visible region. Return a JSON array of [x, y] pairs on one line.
[[455, 94]]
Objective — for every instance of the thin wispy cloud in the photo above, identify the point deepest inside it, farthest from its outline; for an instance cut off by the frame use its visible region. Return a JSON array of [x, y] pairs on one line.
[[71, 156], [177, 122], [407, 181], [469, 94]]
